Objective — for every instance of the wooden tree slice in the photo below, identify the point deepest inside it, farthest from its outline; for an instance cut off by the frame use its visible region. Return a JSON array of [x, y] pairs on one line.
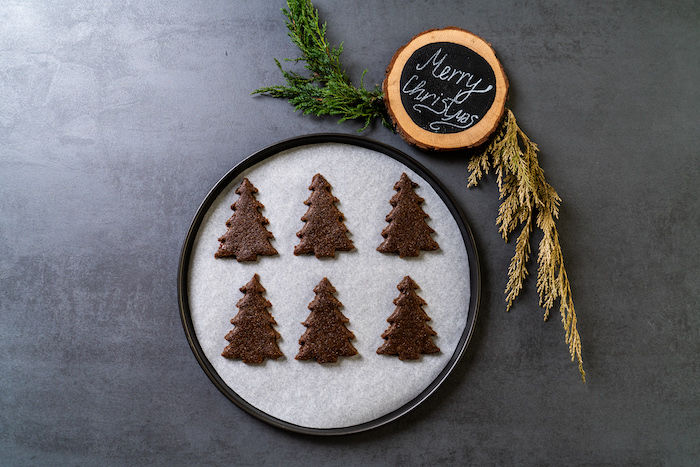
[[445, 90]]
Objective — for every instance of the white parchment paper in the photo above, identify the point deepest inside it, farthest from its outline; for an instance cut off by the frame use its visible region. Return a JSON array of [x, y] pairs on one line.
[[355, 389]]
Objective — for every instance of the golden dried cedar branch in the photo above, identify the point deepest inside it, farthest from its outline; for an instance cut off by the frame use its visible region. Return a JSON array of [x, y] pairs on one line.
[[517, 271], [524, 190], [478, 166]]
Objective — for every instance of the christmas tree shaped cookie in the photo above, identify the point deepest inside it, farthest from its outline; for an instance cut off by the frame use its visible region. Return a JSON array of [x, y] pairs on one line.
[[324, 231], [253, 338], [246, 237], [326, 337], [408, 334], [407, 232]]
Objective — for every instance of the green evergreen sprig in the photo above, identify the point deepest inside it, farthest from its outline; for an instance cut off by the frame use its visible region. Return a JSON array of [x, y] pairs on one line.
[[328, 90]]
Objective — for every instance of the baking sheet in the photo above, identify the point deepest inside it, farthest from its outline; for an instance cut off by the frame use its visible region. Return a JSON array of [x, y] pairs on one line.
[[355, 390]]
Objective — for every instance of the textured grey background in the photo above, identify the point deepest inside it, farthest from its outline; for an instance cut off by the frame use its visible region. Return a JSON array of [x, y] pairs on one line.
[[116, 118]]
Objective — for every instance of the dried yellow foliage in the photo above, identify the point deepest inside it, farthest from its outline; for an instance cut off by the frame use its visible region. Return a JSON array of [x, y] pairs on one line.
[[524, 192]]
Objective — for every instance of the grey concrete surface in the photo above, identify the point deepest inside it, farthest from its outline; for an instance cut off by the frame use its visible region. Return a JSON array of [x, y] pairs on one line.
[[116, 118]]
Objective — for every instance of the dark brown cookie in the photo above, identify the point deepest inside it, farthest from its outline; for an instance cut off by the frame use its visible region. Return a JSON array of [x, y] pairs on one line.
[[407, 232], [253, 338], [246, 237], [408, 335], [324, 231], [326, 337]]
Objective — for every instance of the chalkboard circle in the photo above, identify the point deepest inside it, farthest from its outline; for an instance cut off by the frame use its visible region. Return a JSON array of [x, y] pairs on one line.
[[455, 102], [445, 90]]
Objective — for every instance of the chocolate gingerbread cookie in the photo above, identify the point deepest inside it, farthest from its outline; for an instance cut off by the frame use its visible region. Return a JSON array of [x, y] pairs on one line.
[[253, 338], [408, 335], [326, 337], [324, 232], [246, 237], [407, 233]]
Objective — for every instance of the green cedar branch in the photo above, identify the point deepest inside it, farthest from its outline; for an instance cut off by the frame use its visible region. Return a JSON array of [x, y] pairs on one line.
[[328, 90]]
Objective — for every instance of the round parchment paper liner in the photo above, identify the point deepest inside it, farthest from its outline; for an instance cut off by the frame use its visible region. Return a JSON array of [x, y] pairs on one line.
[[356, 393]]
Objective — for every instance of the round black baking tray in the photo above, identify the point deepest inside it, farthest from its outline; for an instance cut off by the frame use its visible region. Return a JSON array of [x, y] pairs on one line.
[[182, 279]]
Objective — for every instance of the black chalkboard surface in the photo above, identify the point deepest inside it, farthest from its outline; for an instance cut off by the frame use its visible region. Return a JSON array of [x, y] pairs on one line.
[[447, 87], [445, 90]]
